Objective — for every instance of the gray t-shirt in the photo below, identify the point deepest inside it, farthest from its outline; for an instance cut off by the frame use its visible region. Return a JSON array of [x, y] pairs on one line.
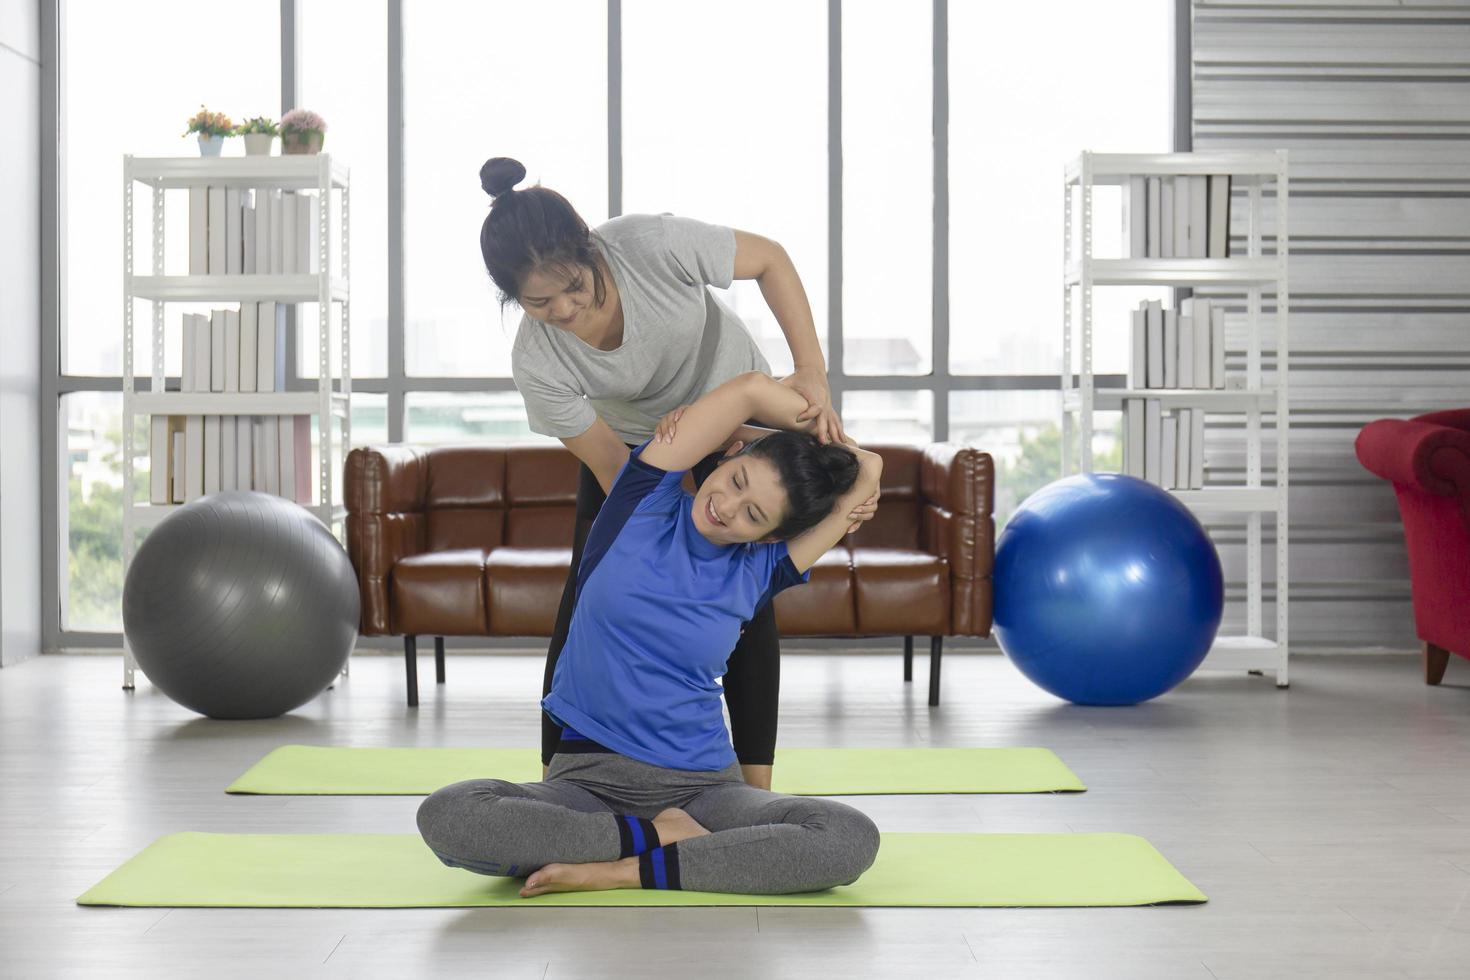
[[679, 341]]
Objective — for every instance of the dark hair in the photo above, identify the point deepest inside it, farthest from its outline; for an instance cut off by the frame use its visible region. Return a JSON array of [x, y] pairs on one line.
[[530, 229], [813, 475]]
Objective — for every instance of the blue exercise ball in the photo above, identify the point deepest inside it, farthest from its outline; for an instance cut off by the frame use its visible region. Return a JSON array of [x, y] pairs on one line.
[[1107, 589], [241, 605]]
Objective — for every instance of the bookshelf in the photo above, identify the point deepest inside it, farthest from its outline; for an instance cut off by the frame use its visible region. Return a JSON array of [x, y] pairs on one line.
[[1254, 274], [332, 398]]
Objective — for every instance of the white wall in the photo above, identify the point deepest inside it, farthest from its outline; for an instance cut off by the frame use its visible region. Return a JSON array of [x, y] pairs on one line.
[[20, 327]]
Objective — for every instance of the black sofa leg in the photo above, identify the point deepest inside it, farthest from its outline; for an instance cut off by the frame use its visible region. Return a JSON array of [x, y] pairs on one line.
[[411, 666], [439, 659], [936, 648], [908, 658]]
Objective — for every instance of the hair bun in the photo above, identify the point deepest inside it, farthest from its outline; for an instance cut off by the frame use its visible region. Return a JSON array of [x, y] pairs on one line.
[[500, 174], [841, 465]]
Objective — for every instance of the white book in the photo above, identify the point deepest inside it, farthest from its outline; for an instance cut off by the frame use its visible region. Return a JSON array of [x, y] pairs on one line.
[[248, 224], [1217, 346], [270, 349], [286, 446], [264, 203], [158, 459], [1133, 440], [302, 444], [277, 250], [232, 349], [257, 443], [217, 350], [211, 454], [244, 458], [203, 363], [217, 231], [1166, 219], [289, 233], [234, 232], [1155, 217], [1181, 217], [176, 468], [1197, 449], [1198, 230], [1168, 451], [1155, 327], [1135, 218], [193, 457], [228, 457], [1181, 455], [308, 233], [186, 373], [1171, 349], [1219, 217], [271, 449], [249, 345], [198, 233], [1201, 319], [1138, 349], [1152, 419], [1186, 351]]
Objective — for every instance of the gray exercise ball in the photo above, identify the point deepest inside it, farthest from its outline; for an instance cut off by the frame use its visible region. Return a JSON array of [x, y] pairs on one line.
[[241, 605]]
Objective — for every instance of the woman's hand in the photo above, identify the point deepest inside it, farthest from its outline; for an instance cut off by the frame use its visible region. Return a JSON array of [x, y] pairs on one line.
[[811, 384], [664, 431]]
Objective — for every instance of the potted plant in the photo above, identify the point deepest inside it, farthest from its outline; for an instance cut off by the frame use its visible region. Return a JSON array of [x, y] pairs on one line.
[[302, 131], [259, 134], [212, 128]]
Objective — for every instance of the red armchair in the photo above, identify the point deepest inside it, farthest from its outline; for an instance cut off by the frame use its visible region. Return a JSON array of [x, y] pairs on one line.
[[1427, 459]]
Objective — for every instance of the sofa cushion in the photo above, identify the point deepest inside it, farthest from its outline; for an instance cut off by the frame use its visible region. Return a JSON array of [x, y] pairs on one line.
[[524, 586], [440, 593], [824, 605], [899, 591]]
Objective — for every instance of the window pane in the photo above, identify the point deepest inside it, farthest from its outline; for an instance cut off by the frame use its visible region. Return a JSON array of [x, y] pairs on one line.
[[369, 419], [111, 106], [745, 146], [889, 416], [1021, 430], [345, 80], [92, 508], [440, 417], [1017, 114], [887, 180], [527, 81]]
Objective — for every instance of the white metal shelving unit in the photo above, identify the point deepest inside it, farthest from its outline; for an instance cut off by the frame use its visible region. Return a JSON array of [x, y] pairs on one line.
[[1253, 273], [332, 398]]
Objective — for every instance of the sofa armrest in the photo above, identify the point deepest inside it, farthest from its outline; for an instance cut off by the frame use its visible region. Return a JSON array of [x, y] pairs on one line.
[[384, 489], [956, 497], [1421, 454]]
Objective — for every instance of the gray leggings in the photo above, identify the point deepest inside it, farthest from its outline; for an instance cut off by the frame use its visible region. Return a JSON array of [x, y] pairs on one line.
[[598, 806]]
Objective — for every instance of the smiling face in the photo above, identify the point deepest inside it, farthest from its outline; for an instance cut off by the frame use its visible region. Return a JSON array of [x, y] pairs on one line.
[[559, 297], [742, 500]]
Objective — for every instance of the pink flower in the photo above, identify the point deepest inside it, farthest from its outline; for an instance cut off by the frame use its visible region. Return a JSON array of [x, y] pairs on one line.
[[303, 121]]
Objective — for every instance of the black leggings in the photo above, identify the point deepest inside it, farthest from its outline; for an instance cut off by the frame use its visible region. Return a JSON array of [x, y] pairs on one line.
[[752, 679]]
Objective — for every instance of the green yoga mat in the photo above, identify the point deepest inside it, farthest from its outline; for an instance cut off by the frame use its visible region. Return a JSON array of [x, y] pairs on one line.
[[399, 871], [316, 770]]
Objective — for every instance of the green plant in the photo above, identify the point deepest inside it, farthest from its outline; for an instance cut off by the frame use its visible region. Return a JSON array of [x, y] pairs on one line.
[[259, 124], [207, 123]]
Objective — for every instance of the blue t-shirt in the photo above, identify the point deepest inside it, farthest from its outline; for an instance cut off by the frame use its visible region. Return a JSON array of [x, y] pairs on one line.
[[659, 608]]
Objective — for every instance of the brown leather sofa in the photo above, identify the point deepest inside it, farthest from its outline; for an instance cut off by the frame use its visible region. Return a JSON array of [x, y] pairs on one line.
[[476, 541]]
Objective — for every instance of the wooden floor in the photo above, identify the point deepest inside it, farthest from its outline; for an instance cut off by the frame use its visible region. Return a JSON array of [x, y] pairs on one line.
[[1328, 823]]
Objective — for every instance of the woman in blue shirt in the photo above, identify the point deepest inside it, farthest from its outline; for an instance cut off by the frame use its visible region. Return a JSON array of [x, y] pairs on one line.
[[644, 789]]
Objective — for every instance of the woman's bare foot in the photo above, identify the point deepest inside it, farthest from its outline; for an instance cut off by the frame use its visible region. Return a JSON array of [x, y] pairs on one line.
[[674, 825], [592, 877]]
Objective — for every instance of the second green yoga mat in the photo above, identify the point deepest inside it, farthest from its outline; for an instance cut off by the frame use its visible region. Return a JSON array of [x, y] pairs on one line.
[[315, 770], [399, 871]]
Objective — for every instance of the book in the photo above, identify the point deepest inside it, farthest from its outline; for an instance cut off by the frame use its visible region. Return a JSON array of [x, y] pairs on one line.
[[1152, 419], [1166, 219], [257, 444], [158, 458], [264, 204], [211, 454], [1219, 217], [232, 349], [1181, 454], [244, 458], [248, 225], [1181, 217], [198, 233], [234, 233], [288, 233], [1217, 346], [1133, 437], [286, 446], [217, 230], [193, 458], [270, 348], [1197, 449], [228, 458], [1138, 349], [1198, 232], [1155, 332], [249, 346], [270, 448], [1186, 350], [308, 233], [277, 210], [176, 467], [1168, 451], [1201, 324], [203, 359], [1171, 349], [303, 458], [1155, 217], [186, 372], [217, 350], [1135, 218]]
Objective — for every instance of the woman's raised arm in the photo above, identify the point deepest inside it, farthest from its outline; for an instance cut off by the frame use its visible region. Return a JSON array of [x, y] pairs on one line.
[[707, 425]]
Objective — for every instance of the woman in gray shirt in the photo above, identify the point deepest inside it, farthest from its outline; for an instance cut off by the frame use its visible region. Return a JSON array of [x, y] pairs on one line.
[[620, 331]]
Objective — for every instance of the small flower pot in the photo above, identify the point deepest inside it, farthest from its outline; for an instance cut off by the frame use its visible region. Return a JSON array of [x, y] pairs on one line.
[[293, 142], [259, 144], [210, 146]]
